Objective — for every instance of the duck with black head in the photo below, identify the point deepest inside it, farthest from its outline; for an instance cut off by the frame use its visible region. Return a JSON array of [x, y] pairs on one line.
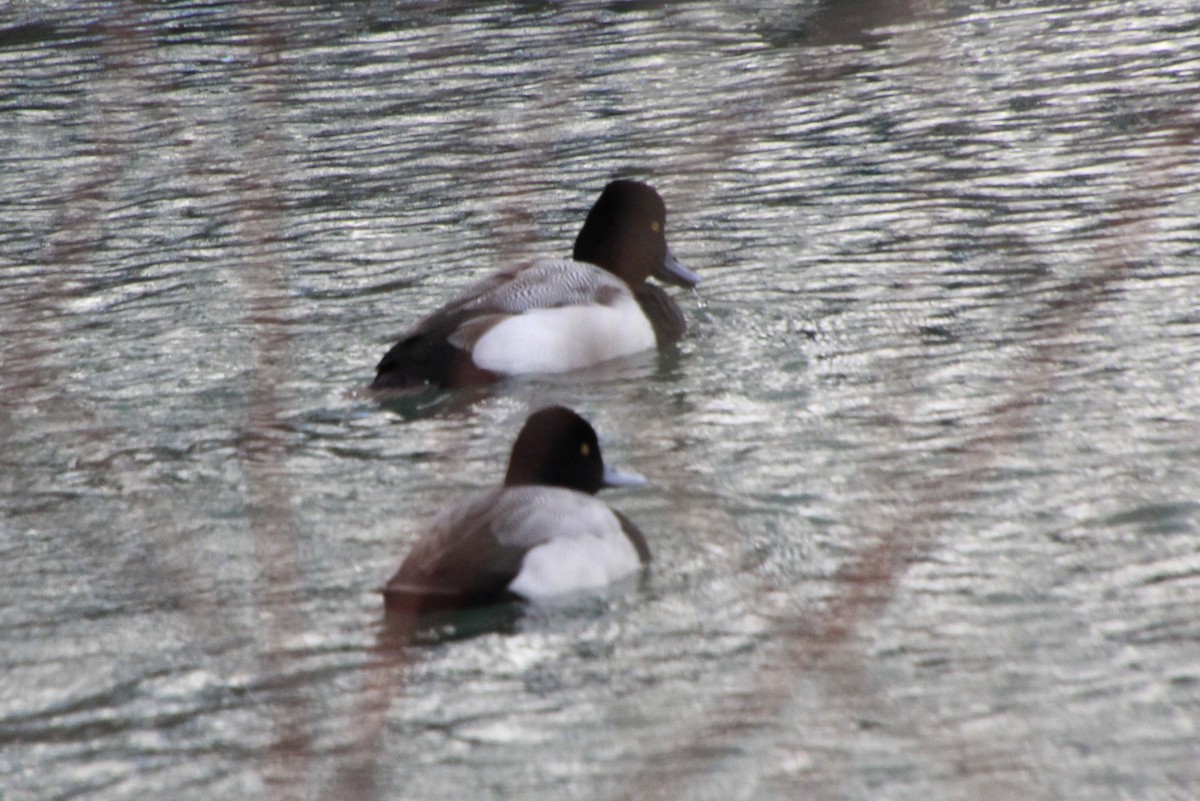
[[555, 315], [540, 534]]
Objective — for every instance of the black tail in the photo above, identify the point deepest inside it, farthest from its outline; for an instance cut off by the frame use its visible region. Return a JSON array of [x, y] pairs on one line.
[[420, 360]]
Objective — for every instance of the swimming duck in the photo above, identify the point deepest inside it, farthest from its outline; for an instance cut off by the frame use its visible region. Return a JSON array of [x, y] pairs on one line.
[[555, 315], [542, 533]]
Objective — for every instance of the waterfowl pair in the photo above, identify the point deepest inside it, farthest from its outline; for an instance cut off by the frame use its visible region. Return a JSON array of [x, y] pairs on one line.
[[542, 532]]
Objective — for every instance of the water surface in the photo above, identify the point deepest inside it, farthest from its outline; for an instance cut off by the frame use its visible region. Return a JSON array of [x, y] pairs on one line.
[[924, 475]]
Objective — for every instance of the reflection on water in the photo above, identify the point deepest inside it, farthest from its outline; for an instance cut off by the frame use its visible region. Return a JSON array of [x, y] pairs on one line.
[[924, 485]]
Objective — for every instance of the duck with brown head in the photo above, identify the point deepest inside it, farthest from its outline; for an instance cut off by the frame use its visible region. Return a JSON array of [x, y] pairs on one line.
[[541, 534], [555, 315]]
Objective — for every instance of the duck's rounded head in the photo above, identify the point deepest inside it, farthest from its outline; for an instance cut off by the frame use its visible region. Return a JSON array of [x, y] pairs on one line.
[[558, 448], [625, 233]]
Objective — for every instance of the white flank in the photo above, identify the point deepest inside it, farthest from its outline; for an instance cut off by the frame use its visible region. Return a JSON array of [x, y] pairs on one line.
[[565, 338], [581, 560]]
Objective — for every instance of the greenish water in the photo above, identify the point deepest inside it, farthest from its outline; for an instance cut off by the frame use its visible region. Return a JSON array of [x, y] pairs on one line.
[[924, 488]]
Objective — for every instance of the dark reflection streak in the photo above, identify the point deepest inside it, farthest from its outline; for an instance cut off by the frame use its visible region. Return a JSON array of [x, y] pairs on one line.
[[75, 241], [869, 581], [827, 645], [76, 233], [383, 681], [127, 81], [262, 448], [132, 79], [856, 21]]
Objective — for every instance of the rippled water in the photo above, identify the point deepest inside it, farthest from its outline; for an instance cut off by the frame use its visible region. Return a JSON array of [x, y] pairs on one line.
[[925, 474]]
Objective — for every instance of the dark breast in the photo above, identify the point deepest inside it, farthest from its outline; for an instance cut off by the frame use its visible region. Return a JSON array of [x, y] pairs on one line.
[[664, 314]]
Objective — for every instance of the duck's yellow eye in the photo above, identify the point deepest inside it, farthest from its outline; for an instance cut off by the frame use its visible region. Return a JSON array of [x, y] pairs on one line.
[[585, 450], [656, 226]]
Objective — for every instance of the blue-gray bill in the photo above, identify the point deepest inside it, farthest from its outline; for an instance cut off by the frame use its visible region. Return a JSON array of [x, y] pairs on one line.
[[673, 271]]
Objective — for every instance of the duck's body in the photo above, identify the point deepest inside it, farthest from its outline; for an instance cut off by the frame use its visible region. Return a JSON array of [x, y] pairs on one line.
[[555, 315], [517, 542], [539, 535]]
